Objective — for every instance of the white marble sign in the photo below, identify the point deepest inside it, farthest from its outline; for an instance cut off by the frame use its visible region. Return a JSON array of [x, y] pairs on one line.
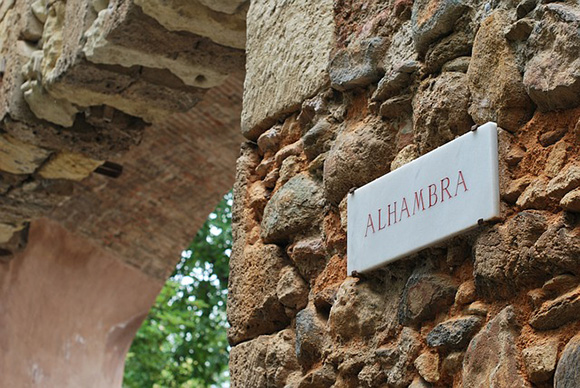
[[432, 198]]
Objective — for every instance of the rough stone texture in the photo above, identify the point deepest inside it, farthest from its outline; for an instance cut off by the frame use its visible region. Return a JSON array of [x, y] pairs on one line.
[[499, 269], [224, 28], [433, 19], [437, 121], [263, 313], [355, 67], [248, 363], [567, 373], [552, 75], [360, 154], [302, 35], [292, 208], [310, 336], [571, 201], [407, 77], [292, 290], [455, 333], [424, 295], [427, 365], [124, 35], [490, 359], [357, 311], [495, 83], [557, 312], [540, 361], [281, 362]]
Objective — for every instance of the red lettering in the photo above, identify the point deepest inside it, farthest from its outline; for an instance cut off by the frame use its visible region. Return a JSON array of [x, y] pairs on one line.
[[432, 194], [416, 202], [394, 213], [460, 181], [444, 188], [383, 226], [370, 225], [404, 208]]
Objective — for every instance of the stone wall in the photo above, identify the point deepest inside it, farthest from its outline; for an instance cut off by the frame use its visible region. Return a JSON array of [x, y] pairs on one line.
[[80, 81], [330, 109]]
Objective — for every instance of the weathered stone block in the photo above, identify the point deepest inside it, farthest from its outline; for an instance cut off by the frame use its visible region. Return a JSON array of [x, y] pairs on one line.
[[434, 18], [454, 333], [555, 313], [362, 152], [540, 361], [281, 362], [437, 120], [248, 363], [356, 66], [552, 75], [292, 290], [193, 16], [491, 358], [124, 35], [495, 83], [294, 208], [65, 165], [425, 295], [17, 157], [258, 270], [310, 336], [567, 371], [287, 57]]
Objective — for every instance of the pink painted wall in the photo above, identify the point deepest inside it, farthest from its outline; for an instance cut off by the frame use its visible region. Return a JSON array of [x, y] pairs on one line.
[[68, 312]]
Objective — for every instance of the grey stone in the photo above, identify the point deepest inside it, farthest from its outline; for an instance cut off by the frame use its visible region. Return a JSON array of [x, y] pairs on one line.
[[318, 138], [360, 154], [310, 336], [552, 75], [357, 65], [491, 357], [525, 7], [567, 372], [407, 349], [431, 20], [437, 120], [294, 208], [453, 46], [397, 106], [454, 333], [425, 295]]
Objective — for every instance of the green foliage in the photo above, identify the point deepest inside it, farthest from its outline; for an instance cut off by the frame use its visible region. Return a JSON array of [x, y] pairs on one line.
[[183, 342]]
